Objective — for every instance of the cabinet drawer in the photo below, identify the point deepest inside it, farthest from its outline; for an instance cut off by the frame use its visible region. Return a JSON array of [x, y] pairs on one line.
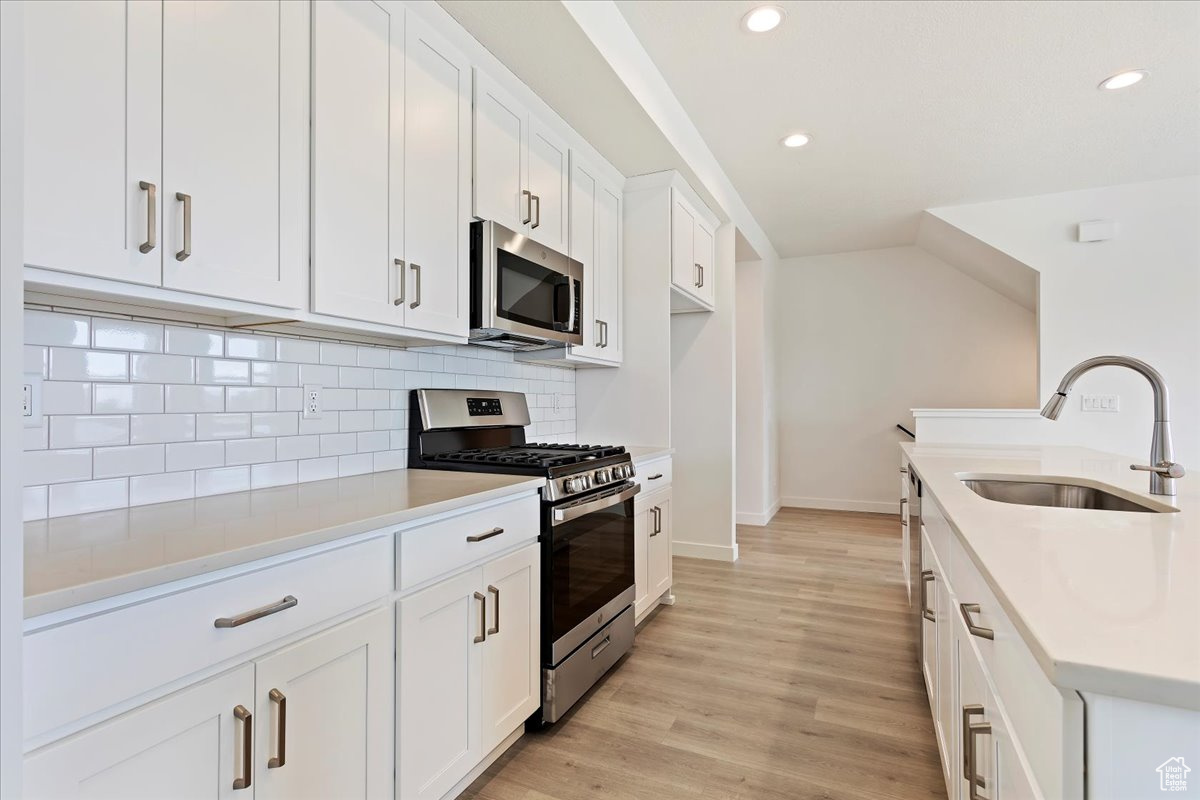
[[441, 548], [654, 475], [83, 667], [1034, 706]]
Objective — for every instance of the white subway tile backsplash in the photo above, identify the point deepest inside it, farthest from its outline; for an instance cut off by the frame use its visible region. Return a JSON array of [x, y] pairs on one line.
[[193, 342], [66, 397], [124, 334], [182, 456], [163, 488], [156, 368], [153, 428], [67, 364], [118, 462], [127, 398], [213, 411], [87, 496], [88, 431], [56, 466]]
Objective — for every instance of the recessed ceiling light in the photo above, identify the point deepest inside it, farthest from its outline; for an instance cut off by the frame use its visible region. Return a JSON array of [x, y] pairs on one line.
[[1125, 79], [762, 19], [796, 140]]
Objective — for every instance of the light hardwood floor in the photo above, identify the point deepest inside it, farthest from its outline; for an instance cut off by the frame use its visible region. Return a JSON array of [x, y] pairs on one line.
[[790, 674]]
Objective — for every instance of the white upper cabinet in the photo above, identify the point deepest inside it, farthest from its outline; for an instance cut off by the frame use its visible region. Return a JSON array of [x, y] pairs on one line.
[[93, 138], [703, 252], [437, 181], [358, 122], [521, 168], [168, 144], [692, 256], [608, 280], [391, 126]]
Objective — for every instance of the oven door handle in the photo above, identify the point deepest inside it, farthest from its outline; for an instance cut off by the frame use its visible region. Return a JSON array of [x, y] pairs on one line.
[[569, 513]]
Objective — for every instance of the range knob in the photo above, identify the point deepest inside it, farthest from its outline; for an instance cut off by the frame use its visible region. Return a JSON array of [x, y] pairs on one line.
[[605, 475], [585, 481], [619, 472], [572, 485]]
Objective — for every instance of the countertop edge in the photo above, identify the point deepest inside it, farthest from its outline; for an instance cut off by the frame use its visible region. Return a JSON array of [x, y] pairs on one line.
[[64, 599]]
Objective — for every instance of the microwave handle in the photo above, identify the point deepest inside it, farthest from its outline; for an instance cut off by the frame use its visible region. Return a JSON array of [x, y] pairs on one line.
[[569, 325], [571, 321]]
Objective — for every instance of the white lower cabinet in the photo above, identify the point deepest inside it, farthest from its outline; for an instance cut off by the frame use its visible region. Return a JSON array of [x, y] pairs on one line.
[[652, 551], [313, 720], [186, 746], [467, 670]]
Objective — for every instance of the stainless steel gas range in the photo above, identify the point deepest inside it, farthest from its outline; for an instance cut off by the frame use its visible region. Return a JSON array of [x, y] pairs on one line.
[[586, 529]]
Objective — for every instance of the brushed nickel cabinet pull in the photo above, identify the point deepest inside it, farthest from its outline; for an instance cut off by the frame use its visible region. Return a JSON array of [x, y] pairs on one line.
[[256, 613], [657, 512], [926, 579], [696, 271], [655, 476], [605, 324], [968, 711], [904, 470], [482, 618], [416, 268], [974, 780], [537, 217], [279, 699], [244, 716], [186, 199], [496, 629], [967, 610], [701, 275], [528, 206], [399, 262], [599, 333], [151, 217], [479, 537]]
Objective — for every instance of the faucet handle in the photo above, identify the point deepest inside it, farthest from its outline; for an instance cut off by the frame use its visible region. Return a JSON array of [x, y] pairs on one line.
[[1168, 469]]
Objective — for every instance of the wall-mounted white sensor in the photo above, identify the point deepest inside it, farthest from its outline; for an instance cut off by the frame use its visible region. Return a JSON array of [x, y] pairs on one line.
[[1097, 230]]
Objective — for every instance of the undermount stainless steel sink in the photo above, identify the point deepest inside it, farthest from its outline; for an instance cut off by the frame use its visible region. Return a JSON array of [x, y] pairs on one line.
[[1055, 495]]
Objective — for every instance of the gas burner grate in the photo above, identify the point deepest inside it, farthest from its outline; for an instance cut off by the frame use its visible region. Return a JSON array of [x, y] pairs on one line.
[[542, 456]]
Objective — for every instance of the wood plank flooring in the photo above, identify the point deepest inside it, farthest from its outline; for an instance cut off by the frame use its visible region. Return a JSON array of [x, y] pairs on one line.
[[790, 674]]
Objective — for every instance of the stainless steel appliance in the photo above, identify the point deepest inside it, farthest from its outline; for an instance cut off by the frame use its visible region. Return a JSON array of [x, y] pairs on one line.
[[524, 296], [586, 527]]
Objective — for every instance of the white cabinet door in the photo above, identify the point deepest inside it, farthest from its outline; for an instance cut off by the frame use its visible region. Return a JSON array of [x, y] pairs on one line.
[[927, 599], [548, 178], [501, 148], [437, 181], [643, 523], [358, 169], [93, 136], [324, 714], [946, 722], [607, 271], [684, 274], [976, 709], [511, 658], [186, 746], [440, 633], [235, 154], [659, 547], [703, 252], [582, 238]]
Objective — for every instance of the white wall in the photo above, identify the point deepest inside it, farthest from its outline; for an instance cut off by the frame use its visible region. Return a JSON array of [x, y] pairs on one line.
[[757, 450], [703, 402], [1137, 295], [11, 538], [862, 338]]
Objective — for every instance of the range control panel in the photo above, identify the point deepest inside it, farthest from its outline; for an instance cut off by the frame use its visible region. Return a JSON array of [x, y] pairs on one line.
[[484, 407]]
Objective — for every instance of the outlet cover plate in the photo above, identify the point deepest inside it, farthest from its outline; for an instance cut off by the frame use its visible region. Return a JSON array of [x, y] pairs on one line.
[[312, 401], [31, 399], [1109, 403]]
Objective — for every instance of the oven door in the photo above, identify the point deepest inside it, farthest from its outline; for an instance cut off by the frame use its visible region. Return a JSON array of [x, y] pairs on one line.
[[587, 568], [520, 287]]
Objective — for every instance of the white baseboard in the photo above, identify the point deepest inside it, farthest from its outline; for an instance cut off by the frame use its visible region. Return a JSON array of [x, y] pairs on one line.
[[829, 504], [759, 518], [713, 552]]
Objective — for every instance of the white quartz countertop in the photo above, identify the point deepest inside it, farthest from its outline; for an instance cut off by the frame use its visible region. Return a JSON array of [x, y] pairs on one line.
[[1107, 601], [644, 453], [87, 557]]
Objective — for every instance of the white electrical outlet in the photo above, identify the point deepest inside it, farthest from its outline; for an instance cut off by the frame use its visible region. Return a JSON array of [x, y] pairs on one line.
[[312, 401], [1101, 402], [31, 400]]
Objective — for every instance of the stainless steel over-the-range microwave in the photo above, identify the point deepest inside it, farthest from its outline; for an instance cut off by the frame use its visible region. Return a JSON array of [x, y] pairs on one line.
[[524, 296]]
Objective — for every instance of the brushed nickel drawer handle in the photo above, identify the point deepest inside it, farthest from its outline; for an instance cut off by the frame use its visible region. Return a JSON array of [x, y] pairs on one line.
[[416, 268], [482, 618], [496, 592], [655, 476], [151, 217], [926, 579], [186, 199], [528, 206], [244, 716], [968, 711], [974, 780], [278, 698], [904, 470], [602, 646], [257, 613], [479, 537], [967, 610], [399, 262]]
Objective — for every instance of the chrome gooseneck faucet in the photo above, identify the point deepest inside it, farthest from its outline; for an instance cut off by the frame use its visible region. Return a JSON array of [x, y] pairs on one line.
[[1162, 468]]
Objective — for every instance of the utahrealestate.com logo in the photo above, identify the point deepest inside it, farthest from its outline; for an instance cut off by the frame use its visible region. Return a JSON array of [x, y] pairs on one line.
[[1172, 775]]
